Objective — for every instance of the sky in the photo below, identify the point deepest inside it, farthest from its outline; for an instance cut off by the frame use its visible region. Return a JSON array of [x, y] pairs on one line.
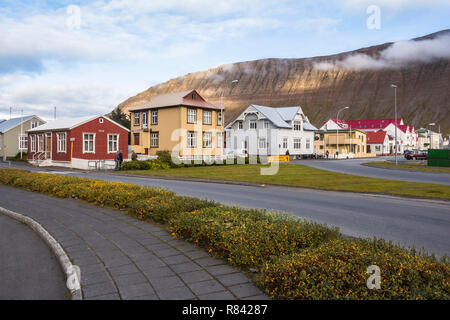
[[86, 57]]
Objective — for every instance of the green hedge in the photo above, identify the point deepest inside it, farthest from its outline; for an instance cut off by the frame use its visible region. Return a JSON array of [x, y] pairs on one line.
[[296, 259]]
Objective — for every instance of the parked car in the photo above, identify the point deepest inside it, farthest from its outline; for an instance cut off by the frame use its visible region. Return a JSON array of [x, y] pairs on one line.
[[407, 153], [417, 155]]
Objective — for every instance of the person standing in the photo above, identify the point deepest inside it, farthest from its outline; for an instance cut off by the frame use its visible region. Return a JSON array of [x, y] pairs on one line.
[[120, 158], [117, 160]]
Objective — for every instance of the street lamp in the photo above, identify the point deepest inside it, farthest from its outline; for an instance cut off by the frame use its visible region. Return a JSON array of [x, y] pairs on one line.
[[395, 92], [221, 114], [337, 132], [429, 134]]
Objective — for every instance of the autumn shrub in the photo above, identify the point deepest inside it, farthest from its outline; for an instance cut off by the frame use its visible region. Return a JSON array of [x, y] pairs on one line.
[[247, 237], [144, 165], [337, 269]]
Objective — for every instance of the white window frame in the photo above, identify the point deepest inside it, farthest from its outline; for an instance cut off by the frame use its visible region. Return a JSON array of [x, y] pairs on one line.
[[23, 142], [192, 139], [34, 124], [266, 124], [32, 143], [207, 139], [297, 125], [207, 117], [152, 140], [61, 145], [253, 123], [109, 140], [297, 143], [262, 143], [137, 118], [308, 143], [40, 144], [240, 125], [285, 142], [144, 119], [219, 139], [192, 116], [155, 117], [93, 143]]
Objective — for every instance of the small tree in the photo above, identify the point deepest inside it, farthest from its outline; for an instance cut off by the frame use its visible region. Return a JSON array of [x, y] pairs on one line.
[[118, 116]]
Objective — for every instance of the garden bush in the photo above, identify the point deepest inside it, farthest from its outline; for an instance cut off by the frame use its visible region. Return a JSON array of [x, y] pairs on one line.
[[144, 165], [338, 270]]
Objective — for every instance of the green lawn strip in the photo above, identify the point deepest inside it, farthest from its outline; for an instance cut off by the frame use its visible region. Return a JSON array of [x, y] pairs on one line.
[[409, 166], [296, 259], [302, 176]]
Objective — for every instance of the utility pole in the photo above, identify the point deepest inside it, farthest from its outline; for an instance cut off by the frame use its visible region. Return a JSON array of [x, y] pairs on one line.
[[21, 136], [55, 114], [395, 92]]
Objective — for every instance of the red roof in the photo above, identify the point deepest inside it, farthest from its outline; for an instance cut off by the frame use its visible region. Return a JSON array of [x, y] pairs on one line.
[[368, 124], [376, 137]]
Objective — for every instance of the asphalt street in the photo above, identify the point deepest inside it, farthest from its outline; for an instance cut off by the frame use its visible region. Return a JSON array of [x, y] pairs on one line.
[[28, 269], [353, 166], [410, 222]]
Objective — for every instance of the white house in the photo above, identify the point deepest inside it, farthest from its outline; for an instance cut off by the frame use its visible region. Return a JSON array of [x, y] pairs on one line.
[[378, 143], [263, 130]]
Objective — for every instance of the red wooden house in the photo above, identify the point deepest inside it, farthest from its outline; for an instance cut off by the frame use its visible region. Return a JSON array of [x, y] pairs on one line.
[[83, 143]]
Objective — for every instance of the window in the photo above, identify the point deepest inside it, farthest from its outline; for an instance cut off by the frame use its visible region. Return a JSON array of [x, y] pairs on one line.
[[113, 142], [23, 142], [192, 116], [192, 139], [297, 143], [40, 143], [155, 117], [154, 140], [377, 148], [100, 120], [297, 125], [144, 119], [61, 142], [207, 139], [136, 139], [137, 116], [219, 118], [266, 124], [253, 124], [285, 143], [33, 143], [240, 125], [34, 124], [308, 143], [262, 143], [207, 117], [89, 143], [194, 96], [219, 140]]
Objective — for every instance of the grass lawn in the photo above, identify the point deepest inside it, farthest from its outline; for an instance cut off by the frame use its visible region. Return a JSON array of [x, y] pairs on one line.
[[410, 166], [306, 177]]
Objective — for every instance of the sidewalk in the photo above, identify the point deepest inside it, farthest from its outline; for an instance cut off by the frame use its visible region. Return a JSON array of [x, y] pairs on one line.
[[123, 258]]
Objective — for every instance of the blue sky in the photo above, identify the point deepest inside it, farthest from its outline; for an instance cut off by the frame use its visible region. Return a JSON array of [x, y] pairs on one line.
[[122, 47]]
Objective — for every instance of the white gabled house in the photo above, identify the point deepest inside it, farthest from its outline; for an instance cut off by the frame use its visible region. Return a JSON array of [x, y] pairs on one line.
[[261, 130]]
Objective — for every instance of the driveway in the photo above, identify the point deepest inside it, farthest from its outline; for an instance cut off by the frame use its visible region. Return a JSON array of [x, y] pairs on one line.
[[355, 167]]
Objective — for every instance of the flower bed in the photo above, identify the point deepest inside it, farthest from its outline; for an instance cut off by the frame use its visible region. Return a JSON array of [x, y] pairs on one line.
[[296, 259]]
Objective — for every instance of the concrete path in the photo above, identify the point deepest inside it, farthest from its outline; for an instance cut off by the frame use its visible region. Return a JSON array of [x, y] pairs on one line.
[[123, 258], [355, 167], [28, 269]]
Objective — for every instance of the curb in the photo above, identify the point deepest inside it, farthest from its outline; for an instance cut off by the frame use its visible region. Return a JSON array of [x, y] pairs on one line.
[[56, 248], [402, 169]]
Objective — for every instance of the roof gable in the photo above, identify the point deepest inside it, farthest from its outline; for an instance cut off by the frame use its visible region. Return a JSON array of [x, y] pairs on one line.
[[14, 122], [69, 124]]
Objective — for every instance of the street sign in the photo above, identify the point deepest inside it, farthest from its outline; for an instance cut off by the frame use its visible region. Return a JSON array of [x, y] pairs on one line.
[[72, 139], [278, 159]]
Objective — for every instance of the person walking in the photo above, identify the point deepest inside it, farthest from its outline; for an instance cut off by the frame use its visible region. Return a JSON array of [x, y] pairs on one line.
[[327, 154], [117, 160]]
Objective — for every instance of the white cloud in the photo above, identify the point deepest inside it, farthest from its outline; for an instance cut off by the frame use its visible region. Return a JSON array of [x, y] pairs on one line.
[[394, 4], [395, 56]]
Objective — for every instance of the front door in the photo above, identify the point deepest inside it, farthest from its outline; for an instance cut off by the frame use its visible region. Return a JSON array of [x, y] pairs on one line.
[[48, 145]]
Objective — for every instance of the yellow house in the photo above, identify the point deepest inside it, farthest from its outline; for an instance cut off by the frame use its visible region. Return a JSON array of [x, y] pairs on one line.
[[181, 122], [348, 144]]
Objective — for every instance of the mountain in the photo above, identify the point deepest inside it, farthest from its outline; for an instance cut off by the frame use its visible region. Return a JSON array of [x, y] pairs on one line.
[[360, 79]]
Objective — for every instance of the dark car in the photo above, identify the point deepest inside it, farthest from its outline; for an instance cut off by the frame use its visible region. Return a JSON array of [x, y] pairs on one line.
[[407, 153], [417, 155]]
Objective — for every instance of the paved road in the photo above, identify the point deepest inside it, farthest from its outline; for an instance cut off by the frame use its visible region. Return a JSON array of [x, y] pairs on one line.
[[353, 166], [28, 269], [121, 257], [411, 222]]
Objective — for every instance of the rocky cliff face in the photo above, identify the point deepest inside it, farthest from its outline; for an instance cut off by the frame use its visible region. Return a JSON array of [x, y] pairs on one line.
[[360, 79]]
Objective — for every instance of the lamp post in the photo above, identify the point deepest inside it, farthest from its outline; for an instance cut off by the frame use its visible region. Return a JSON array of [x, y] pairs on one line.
[[337, 132], [429, 134], [395, 92], [221, 114]]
